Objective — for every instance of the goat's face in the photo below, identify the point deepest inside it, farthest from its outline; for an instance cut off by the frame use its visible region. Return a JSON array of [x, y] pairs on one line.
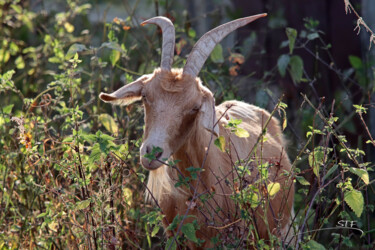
[[175, 105]]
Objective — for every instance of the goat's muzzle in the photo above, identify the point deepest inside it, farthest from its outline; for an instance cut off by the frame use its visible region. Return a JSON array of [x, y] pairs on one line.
[[151, 157]]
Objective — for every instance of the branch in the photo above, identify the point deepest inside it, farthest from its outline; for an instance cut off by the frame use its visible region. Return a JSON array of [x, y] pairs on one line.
[[349, 8]]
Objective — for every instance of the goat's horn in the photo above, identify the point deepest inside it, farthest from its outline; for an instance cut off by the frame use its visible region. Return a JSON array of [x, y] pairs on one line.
[[168, 40], [203, 48]]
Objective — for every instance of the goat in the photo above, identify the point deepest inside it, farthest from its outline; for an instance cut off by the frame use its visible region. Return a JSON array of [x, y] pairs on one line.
[[181, 120]]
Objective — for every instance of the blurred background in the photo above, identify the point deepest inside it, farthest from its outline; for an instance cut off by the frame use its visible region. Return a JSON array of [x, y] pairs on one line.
[[56, 135]]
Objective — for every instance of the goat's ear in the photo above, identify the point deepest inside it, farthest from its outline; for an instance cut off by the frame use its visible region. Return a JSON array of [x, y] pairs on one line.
[[127, 94], [208, 115]]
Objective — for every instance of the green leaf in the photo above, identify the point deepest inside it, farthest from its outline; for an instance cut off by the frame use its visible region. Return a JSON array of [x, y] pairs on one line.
[[20, 63], [282, 64], [273, 188], [155, 231], [152, 155], [302, 180], [192, 33], [7, 109], [77, 47], [82, 204], [171, 244], [242, 133], [114, 57], [313, 245], [360, 109], [296, 68], [42, 215], [112, 45], [189, 231], [220, 143], [292, 35], [16, 8], [217, 54], [362, 173], [356, 62], [354, 199], [109, 123], [96, 153], [312, 36], [330, 171], [316, 159]]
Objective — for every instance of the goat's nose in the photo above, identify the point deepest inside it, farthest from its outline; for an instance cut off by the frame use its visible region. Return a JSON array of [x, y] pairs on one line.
[[157, 152]]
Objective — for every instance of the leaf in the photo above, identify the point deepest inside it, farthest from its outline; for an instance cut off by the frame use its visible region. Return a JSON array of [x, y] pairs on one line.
[[155, 231], [77, 47], [171, 244], [220, 143], [217, 54], [69, 27], [189, 231], [192, 33], [20, 63], [42, 215], [236, 58], [53, 226], [4, 55], [312, 244], [273, 188], [362, 173], [82, 204], [282, 64], [7, 109], [16, 8], [312, 36], [180, 45], [285, 123], [109, 123], [356, 62], [112, 45], [354, 200], [302, 180], [296, 68], [242, 133], [316, 159], [330, 171], [292, 35], [114, 57], [127, 195]]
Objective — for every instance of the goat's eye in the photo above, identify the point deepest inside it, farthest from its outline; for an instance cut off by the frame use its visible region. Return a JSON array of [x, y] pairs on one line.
[[195, 109], [143, 96]]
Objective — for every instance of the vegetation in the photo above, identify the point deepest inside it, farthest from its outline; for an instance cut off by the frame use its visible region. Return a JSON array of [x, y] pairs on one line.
[[70, 175]]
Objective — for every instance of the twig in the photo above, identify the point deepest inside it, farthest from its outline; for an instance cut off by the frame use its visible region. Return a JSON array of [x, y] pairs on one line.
[[226, 226], [360, 22]]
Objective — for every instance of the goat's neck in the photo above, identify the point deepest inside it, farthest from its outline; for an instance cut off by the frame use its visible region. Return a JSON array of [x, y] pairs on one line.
[[193, 151]]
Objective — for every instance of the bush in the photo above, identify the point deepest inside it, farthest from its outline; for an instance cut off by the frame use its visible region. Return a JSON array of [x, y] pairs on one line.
[[69, 165]]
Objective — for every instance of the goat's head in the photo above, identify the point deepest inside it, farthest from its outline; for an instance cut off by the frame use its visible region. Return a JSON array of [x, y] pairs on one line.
[[175, 101]]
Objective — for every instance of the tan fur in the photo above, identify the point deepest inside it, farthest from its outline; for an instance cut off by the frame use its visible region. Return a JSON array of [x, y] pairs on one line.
[[183, 135]]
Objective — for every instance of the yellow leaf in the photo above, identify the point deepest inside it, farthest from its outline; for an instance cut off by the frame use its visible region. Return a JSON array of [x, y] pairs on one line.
[[240, 132], [220, 143], [109, 123], [53, 226], [273, 188], [361, 173], [128, 195], [69, 27]]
